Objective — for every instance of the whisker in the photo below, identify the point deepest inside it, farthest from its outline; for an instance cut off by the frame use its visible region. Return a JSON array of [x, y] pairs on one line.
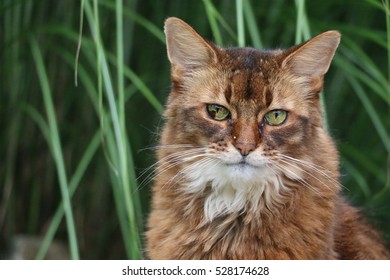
[[171, 157], [173, 146], [169, 162], [183, 172], [289, 160], [309, 164], [177, 154], [304, 182], [308, 173]]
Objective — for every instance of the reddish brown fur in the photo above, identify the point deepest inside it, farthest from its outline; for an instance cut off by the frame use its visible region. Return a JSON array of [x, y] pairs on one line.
[[310, 220]]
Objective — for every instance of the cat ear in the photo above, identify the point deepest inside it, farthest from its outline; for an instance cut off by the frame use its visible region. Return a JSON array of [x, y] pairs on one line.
[[313, 57], [186, 48]]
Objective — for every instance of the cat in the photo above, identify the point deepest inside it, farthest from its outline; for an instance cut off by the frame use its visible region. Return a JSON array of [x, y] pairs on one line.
[[245, 167]]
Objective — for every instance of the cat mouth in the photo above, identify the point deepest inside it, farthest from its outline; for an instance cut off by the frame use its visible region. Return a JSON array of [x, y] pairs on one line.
[[241, 164]]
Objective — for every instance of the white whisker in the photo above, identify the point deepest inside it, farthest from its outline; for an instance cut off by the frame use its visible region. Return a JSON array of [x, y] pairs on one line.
[[318, 170], [166, 147], [193, 166], [283, 169], [168, 162]]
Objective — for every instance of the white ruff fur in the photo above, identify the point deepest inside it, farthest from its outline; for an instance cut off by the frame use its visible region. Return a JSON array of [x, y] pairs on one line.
[[235, 188]]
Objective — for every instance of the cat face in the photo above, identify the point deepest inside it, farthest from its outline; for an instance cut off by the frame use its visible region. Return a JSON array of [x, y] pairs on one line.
[[240, 118]]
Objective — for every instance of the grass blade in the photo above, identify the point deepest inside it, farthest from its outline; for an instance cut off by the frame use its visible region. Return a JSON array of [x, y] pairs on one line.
[[73, 184], [302, 32], [142, 21], [56, 147], [252, 25], [119, 148], [376, 120], [240, 23], [210, 11], [357, 176]]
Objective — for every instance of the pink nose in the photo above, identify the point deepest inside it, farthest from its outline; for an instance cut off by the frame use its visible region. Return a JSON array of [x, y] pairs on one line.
[[244, 147]]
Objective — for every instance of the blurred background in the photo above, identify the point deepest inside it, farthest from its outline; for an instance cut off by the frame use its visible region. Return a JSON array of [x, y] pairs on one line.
[[83, 85]]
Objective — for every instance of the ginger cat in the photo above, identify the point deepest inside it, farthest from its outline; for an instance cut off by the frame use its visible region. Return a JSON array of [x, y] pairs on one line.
[[245, 168]]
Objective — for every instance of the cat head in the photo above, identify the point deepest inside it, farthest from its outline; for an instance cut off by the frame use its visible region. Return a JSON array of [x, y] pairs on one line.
[[245, 118]]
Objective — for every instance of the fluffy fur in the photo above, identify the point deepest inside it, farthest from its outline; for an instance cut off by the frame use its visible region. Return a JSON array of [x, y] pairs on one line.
[[241, 187]]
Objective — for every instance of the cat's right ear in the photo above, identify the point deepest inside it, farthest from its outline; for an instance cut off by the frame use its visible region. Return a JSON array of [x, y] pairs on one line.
[[313, 57], [186, 48]]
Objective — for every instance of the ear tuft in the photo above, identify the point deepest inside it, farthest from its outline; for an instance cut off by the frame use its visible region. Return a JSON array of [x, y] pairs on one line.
[[313, 58], [186, 48]]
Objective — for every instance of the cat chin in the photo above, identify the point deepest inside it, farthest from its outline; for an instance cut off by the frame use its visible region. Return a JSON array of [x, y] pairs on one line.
[[235, 188]]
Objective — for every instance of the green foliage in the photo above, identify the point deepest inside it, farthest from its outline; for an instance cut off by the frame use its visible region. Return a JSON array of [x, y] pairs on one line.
[[82, 87]]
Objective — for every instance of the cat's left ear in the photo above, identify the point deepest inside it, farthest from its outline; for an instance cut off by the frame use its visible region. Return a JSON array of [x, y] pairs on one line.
[[313, 57]]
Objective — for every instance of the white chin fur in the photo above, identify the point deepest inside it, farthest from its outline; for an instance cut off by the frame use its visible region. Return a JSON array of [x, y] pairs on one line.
[[235, 188]]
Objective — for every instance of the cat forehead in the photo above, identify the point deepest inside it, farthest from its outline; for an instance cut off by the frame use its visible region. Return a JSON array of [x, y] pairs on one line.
[[244, 85], [253, 59], [243, 78], [248, 74]]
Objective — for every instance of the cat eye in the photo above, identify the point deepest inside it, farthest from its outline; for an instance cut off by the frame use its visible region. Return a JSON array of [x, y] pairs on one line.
[[218, 112], [275, 117]]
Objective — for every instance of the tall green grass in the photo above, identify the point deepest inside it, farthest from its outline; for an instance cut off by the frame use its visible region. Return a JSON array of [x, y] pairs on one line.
[[83, 83], [53, 139]]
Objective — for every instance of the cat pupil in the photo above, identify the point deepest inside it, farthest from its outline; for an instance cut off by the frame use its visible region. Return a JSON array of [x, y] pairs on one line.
[[275, 117], [218, 112]]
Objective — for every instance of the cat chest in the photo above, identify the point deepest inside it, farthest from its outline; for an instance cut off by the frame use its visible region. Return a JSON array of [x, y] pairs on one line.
[[238, 241]]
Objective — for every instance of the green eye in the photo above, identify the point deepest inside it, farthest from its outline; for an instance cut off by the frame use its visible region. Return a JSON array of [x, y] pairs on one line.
[[218, 112], [275, 117]]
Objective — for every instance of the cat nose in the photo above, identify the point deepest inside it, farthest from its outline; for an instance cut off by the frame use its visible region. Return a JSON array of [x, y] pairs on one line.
[[246, 136], [244, 147]]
